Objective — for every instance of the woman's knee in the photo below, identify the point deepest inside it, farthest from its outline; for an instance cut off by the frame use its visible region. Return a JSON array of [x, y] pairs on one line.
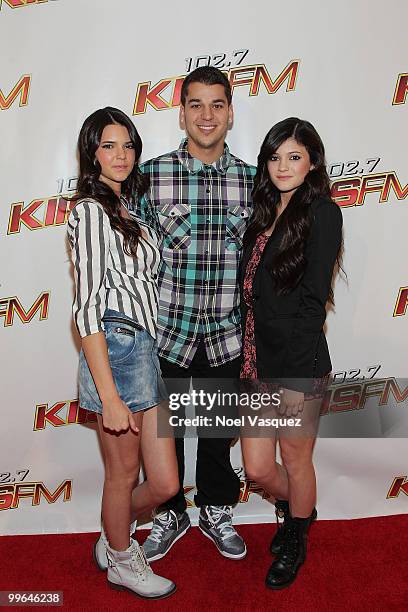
[[125, 475], [296, 455], [162, 490], [260, 471]]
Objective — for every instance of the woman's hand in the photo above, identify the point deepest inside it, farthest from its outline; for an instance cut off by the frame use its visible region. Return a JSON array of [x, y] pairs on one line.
[[117, 417], [291, 402]]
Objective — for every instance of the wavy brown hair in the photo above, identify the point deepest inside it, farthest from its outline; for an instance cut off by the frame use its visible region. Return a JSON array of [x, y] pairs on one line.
[[290, 262], [89, 184]]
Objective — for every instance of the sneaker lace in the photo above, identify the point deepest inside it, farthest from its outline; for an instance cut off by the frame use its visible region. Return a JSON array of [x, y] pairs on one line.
[[215, 514], [161, 522]]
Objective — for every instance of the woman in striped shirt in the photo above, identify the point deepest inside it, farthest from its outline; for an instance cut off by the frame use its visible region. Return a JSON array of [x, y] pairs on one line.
[[115, 261]]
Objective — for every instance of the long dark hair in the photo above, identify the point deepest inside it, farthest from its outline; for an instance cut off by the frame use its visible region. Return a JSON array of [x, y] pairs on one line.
[[89, 185], [290, 262]]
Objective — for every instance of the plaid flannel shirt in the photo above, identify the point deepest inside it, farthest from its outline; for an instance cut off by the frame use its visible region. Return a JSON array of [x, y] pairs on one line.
[[201, 212]]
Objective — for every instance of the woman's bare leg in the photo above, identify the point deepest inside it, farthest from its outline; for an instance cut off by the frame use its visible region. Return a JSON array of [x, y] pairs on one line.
[[160, 463], [296, 455], [259, 456], [121, 453]]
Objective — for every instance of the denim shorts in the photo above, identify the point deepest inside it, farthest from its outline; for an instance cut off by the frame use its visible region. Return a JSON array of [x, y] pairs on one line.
[[134, 363]]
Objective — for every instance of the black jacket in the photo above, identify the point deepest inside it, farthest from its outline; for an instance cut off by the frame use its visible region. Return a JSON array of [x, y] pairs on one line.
[[289, 336]]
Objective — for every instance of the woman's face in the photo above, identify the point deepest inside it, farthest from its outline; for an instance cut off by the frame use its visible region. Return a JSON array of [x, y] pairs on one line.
[[289, 166], [116, 155]]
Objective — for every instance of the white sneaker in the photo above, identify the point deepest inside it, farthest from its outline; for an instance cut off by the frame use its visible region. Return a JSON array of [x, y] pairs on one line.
[[99, 549], [129, 570]]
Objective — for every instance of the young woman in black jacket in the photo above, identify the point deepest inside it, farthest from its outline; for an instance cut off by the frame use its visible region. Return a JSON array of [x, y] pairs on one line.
[[290, 250]]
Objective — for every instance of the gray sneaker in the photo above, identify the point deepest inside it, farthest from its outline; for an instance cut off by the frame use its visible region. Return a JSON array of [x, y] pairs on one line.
[[168, 527], [216, 523]]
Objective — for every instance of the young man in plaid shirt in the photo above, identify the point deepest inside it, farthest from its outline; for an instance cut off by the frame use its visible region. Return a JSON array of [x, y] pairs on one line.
[[200, 196]]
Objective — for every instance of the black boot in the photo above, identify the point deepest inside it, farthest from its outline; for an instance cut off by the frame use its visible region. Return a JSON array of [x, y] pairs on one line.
[[281, 511], [293, 553]]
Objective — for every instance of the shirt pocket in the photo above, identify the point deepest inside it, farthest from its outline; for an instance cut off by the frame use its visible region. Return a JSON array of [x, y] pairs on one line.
[[237, 222], [175, 222]]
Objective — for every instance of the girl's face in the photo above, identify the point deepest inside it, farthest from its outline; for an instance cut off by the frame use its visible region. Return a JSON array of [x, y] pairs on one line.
[[289, 166], [116, 155]]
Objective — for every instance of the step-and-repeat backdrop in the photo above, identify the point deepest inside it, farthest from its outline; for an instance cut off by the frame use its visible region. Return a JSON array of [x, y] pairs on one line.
[[344, 67]]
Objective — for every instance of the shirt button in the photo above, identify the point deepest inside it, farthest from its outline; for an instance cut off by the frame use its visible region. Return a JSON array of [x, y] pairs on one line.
[[208, 220], [208, 190]]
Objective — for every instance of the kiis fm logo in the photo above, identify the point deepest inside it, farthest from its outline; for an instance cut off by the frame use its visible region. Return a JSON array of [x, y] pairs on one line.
[[60, 414], [22, 89], [401, 303], [11, 305], [355, 395], [252, 76], [12, 494], [19, 3], [247, 487], [399, 484], [43, 212], [401, 89], [351, 189]]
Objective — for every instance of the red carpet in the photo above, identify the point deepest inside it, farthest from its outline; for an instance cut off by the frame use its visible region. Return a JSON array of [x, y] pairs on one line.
[[352, 565]]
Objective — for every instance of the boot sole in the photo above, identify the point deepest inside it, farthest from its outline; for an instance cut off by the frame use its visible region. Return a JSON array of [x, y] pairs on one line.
[[224, 554], [281, 586], [161, 555], [119, 587]]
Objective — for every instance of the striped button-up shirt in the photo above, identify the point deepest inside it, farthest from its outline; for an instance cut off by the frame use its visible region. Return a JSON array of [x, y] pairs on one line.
[[105, 276], [201, 212]]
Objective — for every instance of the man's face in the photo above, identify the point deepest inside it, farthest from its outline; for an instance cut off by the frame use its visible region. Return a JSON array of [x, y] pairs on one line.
[[206, 116]]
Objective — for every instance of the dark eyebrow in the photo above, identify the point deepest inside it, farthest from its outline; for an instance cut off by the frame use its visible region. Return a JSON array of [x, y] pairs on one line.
[[295, 152], [114, 141], [212, 101]]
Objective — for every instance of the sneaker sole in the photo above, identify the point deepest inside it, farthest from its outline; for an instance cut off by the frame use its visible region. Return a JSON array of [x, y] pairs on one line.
[[119, 587], [95, 558], [161, 555], [224, 554]]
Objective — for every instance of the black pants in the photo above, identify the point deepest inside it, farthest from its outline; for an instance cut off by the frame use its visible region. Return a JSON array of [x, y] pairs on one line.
[[217, 483]]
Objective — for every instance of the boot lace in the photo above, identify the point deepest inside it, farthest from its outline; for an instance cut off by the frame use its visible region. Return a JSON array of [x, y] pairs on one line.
[[161, 523], [215, 514], [140, 564], [291, 544]]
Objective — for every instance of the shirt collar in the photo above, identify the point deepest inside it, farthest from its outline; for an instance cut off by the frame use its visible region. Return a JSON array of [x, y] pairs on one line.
[[194, 165]]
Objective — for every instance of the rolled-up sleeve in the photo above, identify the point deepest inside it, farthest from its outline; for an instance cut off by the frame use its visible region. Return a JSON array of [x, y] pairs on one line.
[[88, 229]]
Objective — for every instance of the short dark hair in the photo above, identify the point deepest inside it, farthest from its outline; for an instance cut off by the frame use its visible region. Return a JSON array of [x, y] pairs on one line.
[[209, 76]]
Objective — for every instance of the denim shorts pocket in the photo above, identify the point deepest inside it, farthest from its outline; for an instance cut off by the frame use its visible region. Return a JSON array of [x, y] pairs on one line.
[[175, 221], [121, 341], [237, 221]]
